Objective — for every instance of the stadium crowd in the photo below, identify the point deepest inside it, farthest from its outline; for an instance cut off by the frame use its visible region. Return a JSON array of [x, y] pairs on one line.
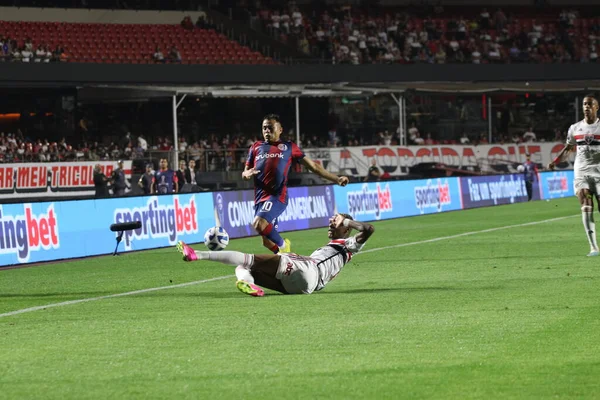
[[348, 35]]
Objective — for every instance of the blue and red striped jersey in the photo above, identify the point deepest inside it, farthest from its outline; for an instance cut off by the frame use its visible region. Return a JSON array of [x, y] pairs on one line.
[[274, 162]]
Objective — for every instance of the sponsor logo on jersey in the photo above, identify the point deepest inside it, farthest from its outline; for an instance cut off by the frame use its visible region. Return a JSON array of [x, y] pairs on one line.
[[269, 155], [432, 195]]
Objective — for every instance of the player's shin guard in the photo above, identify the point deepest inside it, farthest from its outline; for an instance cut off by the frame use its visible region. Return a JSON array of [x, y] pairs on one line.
[[271, 233], [587, 216], [227, 257]]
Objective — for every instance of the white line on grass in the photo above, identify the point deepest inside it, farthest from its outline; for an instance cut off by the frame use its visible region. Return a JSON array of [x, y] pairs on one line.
[[466, 234], [110, 296]]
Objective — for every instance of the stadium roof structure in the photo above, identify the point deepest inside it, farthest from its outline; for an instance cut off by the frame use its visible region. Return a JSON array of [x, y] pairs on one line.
[[135, 92], [123, 93]]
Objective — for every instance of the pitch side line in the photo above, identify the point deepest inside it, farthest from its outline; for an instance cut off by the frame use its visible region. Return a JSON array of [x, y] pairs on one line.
[[463, 234], [110, 296]]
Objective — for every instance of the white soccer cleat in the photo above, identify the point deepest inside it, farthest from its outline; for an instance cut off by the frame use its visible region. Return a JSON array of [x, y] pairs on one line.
[[593, 253]]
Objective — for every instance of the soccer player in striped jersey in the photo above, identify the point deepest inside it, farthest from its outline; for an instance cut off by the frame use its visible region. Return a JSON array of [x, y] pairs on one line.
[[585, 135], [290, 273], [269, 163]]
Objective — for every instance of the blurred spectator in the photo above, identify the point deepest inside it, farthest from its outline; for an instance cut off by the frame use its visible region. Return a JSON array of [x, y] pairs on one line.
[[529, 136], [187, 23], [158, 55], [174, 55], [464, 139], [146, 181], [373, 173], [181, 174]]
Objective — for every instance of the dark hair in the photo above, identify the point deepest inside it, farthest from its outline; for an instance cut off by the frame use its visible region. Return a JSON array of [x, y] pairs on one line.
[[591, 96], [273, 117], [347, 216]]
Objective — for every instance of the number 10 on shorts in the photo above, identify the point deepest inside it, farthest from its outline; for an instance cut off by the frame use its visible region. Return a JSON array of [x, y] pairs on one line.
[[266, 207]]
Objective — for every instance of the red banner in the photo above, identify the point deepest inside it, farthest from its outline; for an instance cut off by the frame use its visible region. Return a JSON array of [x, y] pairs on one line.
[[53, 179], [396, 160]]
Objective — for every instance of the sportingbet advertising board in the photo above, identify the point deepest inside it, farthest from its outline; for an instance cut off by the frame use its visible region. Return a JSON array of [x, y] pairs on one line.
[[308, 207], [384, 200], [57, 230], [557, 184], [492, 190]]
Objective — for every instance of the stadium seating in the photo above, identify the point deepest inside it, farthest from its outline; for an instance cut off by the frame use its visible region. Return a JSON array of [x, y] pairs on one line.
[[134, 43]]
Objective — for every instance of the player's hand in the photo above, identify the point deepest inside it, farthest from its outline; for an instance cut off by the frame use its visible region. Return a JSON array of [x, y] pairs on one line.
[[551, 166], [249, 173], [336, 221], [343, 180]]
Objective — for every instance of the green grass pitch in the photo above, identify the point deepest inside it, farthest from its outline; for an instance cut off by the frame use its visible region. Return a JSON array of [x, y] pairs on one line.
[[506, 313]]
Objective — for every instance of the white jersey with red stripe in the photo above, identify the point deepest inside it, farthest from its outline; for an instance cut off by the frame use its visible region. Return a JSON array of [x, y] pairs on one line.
[[587, 139], [332, 257]]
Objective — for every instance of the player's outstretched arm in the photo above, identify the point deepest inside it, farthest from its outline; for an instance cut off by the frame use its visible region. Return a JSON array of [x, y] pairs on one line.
[[365, 230], [323, 173], [560, 155]]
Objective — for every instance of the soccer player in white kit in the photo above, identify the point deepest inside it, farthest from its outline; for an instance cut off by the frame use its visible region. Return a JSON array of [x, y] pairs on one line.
[[290, 273], [585, 134]]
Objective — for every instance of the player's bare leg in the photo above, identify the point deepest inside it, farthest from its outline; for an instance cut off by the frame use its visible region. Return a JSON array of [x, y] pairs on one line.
[[264, 271], [272, 240], [587, 216]]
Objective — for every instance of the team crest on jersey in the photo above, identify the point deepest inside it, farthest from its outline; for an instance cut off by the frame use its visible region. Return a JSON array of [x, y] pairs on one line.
[[282, 147], [588, 137]]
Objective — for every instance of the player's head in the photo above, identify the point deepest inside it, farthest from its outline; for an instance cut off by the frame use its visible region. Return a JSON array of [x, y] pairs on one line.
[[192, 164], [590, 106], [164, 164], [120, 164], [149, 168], [528, 157], [341, 232], [182, 164], [271, 128]]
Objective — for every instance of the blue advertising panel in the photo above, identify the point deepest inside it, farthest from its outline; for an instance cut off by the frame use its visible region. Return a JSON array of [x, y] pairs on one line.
[[491, 190], [56, 230], [384, 200], [308, 207], [557, 184]]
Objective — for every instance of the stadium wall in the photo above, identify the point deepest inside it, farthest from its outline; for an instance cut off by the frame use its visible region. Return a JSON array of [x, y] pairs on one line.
[[48, 231], [71, 74]]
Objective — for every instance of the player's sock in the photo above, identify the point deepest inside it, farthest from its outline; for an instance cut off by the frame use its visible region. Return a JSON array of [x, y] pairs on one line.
[[227, 257], [271, 233], [242, 273], [587, 215]]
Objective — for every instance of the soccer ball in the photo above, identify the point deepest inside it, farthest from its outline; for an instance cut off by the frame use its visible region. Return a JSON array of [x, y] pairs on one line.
[[521, 168], [216, 238]]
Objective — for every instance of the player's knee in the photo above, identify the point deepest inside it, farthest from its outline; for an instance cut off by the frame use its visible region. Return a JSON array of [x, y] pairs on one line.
[[587, 208], [259, 224]]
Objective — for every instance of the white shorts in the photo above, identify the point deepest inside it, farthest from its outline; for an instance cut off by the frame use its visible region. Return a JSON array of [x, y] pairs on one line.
[[590, 182], [298, 274]]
